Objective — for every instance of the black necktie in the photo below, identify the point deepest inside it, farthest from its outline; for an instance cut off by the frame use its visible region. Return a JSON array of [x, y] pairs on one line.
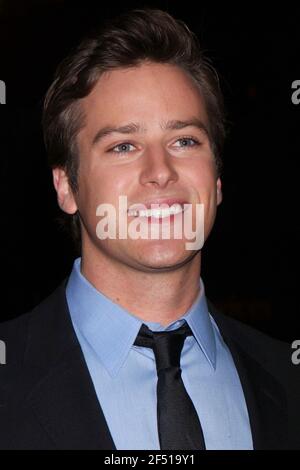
[[179, 427]]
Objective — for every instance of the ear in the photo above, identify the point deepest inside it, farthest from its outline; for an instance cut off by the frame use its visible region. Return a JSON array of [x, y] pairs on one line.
[[65, 197], [219, 191]]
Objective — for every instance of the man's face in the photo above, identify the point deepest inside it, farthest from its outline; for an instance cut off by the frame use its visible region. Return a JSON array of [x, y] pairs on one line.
[[152, 158]]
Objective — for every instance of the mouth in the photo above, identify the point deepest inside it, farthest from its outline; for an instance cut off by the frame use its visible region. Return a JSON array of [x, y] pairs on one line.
[[160, 209], [160, 212]]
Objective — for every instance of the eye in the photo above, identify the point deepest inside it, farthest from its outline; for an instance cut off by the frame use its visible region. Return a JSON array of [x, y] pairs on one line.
[[124, 147], [187, 142]]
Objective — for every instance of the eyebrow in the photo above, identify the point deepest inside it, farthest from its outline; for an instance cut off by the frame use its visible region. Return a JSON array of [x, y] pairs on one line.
[[133, 127]]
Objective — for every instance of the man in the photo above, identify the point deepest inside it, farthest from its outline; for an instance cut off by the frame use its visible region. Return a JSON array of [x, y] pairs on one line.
[[128, 353]]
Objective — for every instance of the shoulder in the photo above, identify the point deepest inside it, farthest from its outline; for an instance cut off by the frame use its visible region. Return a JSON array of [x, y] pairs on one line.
[[35, 342], [272, 354], [14, 334], [17, 333], [254, 340]]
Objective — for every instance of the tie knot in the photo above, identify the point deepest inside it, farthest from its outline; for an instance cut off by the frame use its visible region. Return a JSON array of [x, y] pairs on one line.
[[167, 345]]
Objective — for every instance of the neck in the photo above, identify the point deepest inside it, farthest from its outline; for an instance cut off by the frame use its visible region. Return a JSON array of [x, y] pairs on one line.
[[160, 297]]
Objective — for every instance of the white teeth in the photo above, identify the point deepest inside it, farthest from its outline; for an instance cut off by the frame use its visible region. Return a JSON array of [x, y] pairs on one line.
[[157, 213]]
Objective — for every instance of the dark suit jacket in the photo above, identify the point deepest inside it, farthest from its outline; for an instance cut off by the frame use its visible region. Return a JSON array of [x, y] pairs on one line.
[[47, 398]]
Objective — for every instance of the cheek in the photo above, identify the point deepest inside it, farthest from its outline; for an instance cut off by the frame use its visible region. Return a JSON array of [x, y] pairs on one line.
[[104, 187], [203, 178]]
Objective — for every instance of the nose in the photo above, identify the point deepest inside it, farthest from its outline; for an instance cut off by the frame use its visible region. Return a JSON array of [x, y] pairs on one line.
[[158, 168]]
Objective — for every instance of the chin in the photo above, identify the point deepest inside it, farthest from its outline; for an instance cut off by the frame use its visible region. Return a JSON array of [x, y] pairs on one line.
[[165, 255]]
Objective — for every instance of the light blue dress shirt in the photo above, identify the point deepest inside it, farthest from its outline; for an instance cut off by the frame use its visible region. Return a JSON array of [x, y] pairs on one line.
[[125, 378]]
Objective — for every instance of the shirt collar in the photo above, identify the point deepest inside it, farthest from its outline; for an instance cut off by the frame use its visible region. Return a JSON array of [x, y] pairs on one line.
[[111, 330]]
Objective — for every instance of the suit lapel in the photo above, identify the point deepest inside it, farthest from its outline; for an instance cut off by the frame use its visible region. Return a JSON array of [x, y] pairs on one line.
[[265, 397], [67, 407], [266, 401], [64, 399]]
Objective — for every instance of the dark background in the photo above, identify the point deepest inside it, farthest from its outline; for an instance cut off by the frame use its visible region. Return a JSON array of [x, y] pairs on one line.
[[250, 262]]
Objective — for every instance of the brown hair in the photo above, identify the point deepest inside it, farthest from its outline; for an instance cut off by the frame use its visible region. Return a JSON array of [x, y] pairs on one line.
[[126, 41]]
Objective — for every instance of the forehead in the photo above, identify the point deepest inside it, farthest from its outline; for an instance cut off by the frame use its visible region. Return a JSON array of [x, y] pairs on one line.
[[146, 93]]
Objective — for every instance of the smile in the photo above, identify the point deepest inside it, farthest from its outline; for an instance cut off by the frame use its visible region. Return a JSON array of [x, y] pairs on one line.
[[157, 213]]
